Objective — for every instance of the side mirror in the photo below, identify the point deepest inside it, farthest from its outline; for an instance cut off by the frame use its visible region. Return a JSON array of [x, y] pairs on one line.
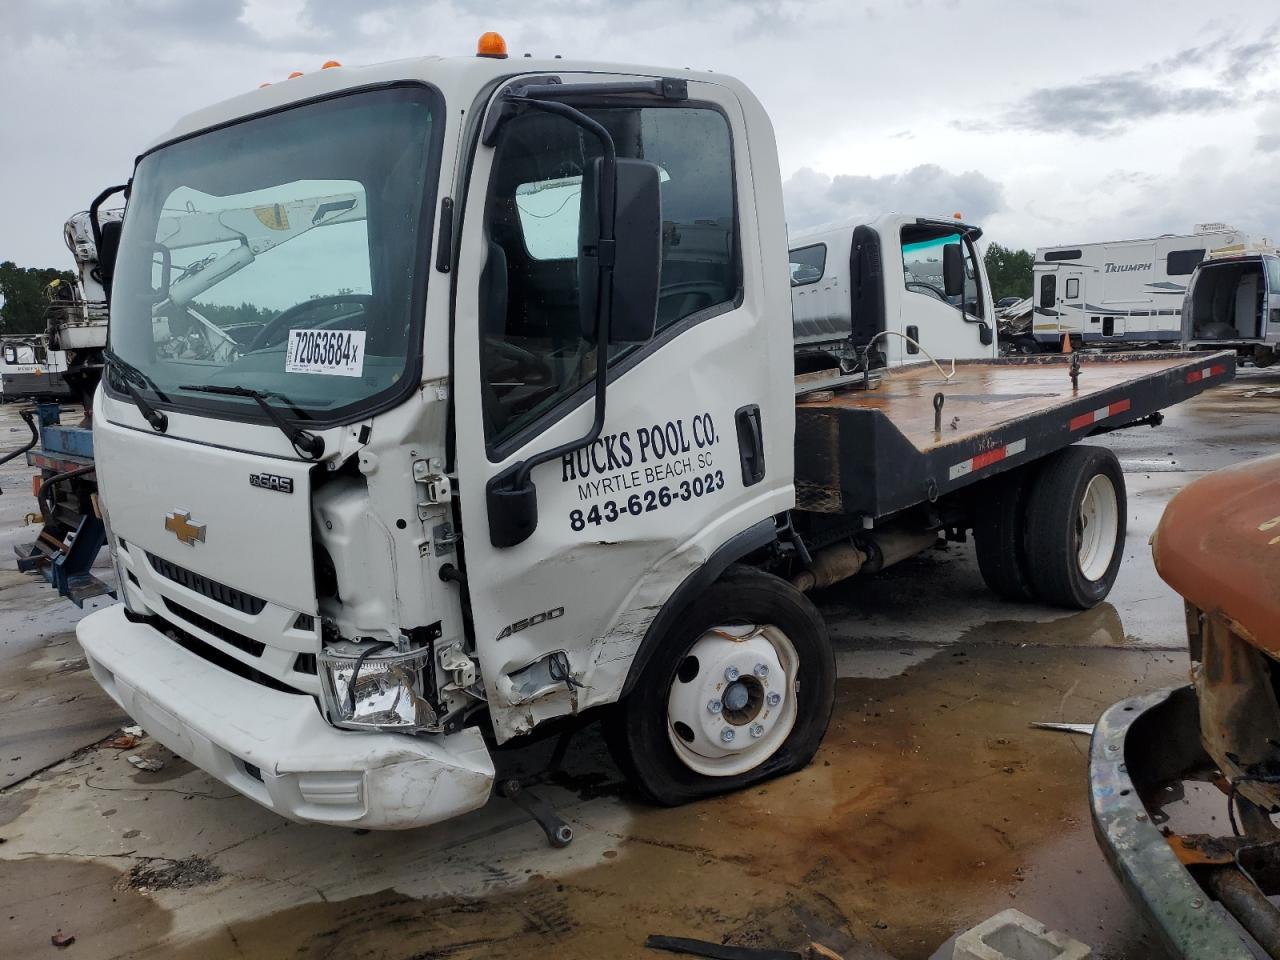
[[953, 270], [637, 251], [108, 248]]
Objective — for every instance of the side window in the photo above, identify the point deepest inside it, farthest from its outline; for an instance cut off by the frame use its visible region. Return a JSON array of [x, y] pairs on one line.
[[1073, 288], [533, 350], [808, 264], [1273, 275], [1048, 290], [10, 355], [923, 247], [1181, 263]]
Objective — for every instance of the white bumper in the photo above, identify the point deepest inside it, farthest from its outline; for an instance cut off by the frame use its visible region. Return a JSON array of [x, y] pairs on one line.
[[275, 747]]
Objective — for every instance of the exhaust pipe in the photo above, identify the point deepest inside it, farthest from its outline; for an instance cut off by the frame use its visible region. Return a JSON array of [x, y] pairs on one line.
[[872, 553]]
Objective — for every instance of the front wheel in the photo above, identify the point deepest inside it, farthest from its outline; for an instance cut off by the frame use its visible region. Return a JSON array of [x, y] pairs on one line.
[[739, 690]]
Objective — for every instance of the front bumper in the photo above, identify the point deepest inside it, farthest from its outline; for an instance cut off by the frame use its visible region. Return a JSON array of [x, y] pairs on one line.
[[275, 747], [1138, 743]]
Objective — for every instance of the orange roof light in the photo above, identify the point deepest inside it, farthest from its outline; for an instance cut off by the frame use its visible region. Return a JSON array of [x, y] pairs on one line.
[[491, 45], [296, 73], [328, 64], [261, 85], [958, 216]]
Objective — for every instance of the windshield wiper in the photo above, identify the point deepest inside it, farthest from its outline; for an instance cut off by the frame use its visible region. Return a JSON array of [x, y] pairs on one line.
[[129, 375], [305, 442]]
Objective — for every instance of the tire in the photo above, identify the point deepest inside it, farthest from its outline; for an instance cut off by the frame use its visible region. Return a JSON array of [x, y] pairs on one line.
[[1075, 527], [665, 765], [999, 535]]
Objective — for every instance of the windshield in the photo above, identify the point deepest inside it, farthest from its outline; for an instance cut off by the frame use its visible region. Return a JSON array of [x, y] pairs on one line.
[[284, 254]]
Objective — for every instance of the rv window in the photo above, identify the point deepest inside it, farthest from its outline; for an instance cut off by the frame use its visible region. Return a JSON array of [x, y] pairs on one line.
[[1048, 290], [1183, 262], [1063, 255], [808, 264], [1073, 288]]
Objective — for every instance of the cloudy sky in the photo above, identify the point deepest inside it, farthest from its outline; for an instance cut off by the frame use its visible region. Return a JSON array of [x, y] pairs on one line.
[[1048, 123]]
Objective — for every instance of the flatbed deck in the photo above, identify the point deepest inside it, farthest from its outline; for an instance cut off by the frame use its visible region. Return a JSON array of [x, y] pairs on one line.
[[880, 450]]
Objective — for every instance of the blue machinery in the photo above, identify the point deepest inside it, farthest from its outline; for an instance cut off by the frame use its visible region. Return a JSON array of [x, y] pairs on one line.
[[73, 530]]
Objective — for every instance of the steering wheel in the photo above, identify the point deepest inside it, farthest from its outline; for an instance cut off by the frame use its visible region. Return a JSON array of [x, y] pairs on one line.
[[540, 371], [929, 288], [281, 321]]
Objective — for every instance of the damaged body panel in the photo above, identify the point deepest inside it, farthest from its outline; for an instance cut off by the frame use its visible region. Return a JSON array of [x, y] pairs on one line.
[[1216, 545]]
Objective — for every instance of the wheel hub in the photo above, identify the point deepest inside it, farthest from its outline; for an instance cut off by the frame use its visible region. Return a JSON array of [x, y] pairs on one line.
[[732, 702]]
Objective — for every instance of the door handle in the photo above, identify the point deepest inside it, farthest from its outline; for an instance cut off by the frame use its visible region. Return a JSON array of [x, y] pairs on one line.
[[914, 333], [750, 443]]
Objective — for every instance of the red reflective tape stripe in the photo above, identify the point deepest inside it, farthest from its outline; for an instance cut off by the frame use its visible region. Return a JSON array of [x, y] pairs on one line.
[[1094, 416], [1195, 376], [1217, 370], [988, 458]]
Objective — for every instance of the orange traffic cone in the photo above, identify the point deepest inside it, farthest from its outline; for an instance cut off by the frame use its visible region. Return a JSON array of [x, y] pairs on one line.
[[1066, 343]]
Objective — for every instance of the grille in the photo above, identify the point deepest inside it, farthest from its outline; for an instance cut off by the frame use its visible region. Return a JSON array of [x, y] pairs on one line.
[[195, 645], [228, 636], [219, 592]]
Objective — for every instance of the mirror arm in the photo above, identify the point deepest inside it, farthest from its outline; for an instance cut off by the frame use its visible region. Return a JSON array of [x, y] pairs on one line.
[[98, 201], [605, 259]]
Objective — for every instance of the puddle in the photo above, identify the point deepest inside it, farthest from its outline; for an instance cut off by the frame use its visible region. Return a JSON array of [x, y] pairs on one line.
[[930, 806], [1100, 627]]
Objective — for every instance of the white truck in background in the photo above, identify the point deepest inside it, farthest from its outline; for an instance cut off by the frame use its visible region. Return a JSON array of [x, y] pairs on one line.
[[1119, 292], [1233, 302], [842, 307], [483, 466]]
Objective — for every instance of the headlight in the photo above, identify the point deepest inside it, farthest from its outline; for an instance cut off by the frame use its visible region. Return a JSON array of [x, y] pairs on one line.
[[386, 692]]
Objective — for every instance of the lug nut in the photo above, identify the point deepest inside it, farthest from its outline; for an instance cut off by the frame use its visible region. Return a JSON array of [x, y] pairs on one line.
[[731, 674], [773, 699], [714, 706], [727, 734], [757, 730], [761, 670]]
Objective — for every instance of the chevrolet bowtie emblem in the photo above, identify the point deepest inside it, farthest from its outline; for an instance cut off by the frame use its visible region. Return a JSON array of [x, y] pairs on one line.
[[179, 523]]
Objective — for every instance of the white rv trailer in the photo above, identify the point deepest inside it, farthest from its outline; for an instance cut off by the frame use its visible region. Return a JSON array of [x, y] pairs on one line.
[[30, 370], [837, 303], [1126, 291]]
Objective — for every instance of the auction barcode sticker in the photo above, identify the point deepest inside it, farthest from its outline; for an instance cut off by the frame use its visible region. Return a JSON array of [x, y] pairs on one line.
[[338, 353]]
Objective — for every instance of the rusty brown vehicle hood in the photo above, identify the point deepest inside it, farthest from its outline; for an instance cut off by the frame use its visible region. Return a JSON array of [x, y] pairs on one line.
[[1218, 545]]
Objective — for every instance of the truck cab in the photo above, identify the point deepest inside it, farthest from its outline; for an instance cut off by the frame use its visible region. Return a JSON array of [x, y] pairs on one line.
[[842, 307], [1233, 301], [431, 493]]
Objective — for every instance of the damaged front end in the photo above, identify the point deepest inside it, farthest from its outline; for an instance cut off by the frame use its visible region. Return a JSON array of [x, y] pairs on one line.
[[1215, 742]]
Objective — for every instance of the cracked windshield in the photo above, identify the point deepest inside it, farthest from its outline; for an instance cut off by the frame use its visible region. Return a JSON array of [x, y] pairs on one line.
[[272, 256]]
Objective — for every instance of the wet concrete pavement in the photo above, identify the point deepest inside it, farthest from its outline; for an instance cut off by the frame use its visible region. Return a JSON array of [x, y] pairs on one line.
[[931, 805]]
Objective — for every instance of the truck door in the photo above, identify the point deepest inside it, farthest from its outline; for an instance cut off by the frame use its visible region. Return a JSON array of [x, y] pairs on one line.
[[945, 326], [696, 444]]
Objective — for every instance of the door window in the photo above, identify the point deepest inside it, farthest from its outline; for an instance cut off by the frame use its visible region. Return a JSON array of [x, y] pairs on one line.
[[1048, 290], [533, 350], [1073, 288], [922, 257]]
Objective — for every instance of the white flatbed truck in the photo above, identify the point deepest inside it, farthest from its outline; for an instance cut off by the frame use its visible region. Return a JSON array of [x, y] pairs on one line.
[[413, 518]]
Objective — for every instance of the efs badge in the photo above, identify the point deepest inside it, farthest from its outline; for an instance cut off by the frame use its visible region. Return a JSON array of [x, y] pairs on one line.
[[270, 481]]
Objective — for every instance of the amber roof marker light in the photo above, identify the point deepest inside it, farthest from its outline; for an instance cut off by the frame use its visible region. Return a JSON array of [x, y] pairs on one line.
[[330, 64], [491, 45]]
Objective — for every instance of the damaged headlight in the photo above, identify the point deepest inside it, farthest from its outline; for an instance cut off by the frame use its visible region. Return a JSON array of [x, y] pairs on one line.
[[367, 688]]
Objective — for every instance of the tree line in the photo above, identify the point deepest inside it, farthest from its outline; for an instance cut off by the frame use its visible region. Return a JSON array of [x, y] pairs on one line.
[[1009, 271], [22, 290]]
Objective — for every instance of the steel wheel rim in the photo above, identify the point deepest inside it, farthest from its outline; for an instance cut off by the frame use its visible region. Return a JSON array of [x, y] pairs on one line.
[[760, 710], [1097, 525]]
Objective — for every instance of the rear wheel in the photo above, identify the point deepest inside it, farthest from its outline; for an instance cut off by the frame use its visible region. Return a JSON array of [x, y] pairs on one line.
[[738, 691], [999, 535], [1075, 527]]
